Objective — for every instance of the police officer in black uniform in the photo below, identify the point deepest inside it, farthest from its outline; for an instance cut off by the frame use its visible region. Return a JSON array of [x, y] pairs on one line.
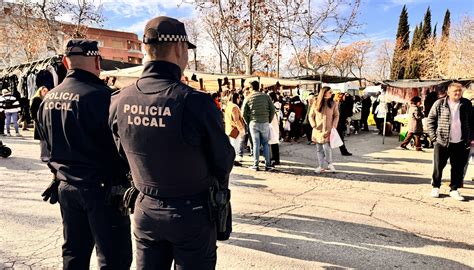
[[174, 140], [73, 120]]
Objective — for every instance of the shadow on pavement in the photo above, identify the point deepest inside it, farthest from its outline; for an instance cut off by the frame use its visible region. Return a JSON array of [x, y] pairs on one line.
[[21, 163], [355, 172], [344, 244]]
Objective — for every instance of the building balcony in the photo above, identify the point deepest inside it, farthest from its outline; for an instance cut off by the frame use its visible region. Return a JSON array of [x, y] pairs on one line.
[[135, 51]]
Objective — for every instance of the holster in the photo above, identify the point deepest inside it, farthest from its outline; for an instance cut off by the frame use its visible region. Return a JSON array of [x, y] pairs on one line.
[[221, 211], [115, 193], [129, 198]]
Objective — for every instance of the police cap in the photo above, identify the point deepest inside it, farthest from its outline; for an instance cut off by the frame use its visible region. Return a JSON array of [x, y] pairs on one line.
[[165, 29], [82, 47]]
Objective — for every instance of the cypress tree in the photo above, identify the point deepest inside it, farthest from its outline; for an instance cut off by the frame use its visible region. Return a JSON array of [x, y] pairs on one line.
[[446, 26], [426, 26], [402, 46], [415, 39], [434, 31]]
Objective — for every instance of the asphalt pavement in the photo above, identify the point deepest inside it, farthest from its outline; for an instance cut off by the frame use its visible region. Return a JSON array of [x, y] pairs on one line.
[[374, 213]]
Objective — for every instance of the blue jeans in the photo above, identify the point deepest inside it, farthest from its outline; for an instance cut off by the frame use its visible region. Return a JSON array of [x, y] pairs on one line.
[[11, 117], [324, 154], [261, 135]]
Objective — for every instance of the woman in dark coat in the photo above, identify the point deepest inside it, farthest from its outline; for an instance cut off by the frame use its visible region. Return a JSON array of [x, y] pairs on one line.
[[415, 125], [34, 106]]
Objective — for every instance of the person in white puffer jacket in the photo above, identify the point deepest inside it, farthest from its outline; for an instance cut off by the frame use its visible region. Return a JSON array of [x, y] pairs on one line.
[[11, 107]]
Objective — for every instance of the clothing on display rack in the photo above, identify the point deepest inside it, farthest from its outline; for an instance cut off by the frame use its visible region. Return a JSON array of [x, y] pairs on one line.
[[23, 80]]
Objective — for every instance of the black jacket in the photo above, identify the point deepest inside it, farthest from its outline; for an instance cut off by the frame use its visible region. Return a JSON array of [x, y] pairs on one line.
[[73, 120], [172, 135]]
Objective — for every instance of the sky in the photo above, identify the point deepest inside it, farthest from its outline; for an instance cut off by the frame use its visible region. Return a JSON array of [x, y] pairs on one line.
[[379, 18]]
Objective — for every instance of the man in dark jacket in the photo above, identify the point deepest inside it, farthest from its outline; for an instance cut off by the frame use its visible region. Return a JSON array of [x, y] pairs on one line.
[[449, 126], [173, 137], [366, 104], [73, 121]]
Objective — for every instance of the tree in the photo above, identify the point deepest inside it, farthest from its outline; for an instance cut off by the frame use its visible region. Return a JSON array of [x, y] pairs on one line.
[[194, 33], [245, 25], [402, 46], [343, 60], [318, 31], [84, 13], [461, 47], [383, 64], [360, 51], [446, 26], [426, 33], [421, 51], [227, 54], [34, 31]]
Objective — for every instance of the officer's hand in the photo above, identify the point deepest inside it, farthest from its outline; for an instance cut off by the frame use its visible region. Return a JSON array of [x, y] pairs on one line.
[[51, 192]]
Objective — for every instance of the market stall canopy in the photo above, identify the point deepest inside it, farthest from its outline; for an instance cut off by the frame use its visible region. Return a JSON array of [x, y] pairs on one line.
[[128, 76], [328, 78], [404, 90], [415, 83]]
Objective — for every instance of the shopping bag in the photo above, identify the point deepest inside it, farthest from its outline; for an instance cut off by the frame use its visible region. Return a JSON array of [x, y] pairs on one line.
[[334, 139], [371, 120], [274, 136]]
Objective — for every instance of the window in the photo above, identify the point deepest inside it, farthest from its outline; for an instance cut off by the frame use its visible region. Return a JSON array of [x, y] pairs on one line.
[[101, 43], [117, 44]]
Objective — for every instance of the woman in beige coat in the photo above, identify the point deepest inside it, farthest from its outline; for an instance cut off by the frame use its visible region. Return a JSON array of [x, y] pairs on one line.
[[323, 116], [233, 119]]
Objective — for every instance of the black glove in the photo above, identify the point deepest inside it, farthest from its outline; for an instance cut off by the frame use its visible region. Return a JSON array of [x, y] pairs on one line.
[[129, 198], [51, 192]]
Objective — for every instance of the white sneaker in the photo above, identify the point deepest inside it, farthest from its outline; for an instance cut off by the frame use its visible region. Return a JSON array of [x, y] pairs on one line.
[[455, 195], [435, 193], [18, 134], [331, 168], [318, 170]]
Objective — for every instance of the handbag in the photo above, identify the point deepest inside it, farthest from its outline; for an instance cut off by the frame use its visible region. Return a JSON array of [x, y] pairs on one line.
[[234, 133]]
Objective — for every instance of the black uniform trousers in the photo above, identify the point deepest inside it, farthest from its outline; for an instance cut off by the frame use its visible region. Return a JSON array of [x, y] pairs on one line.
[[88, 220], [176, 229], [458, 157]]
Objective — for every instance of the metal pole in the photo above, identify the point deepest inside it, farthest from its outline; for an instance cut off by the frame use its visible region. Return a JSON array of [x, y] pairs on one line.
[[384, 123], [278, 51]]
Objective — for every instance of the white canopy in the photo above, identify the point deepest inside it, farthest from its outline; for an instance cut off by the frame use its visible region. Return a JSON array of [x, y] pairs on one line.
[[128, 76]]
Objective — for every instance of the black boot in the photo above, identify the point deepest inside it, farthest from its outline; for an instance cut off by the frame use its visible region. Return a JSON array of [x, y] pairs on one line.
[[344, 151]]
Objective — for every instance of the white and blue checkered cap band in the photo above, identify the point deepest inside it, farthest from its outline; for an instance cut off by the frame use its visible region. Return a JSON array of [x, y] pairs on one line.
[[168, 38], [92, 53]]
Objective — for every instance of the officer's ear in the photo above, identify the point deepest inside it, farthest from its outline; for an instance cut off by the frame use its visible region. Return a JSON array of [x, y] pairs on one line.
[[66, 63], [177, 50], [97, 62]]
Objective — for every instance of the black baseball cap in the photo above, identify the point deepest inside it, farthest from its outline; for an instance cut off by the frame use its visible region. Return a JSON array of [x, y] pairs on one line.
[[165, 29], [83, 47]]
